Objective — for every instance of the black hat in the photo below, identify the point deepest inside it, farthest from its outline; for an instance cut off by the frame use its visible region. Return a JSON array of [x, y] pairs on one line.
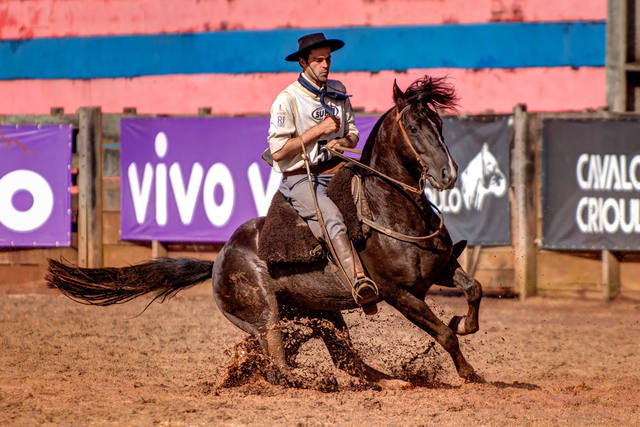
[[313, 41]]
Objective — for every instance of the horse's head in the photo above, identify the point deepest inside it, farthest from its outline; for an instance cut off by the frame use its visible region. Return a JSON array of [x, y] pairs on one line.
[[421, 126]]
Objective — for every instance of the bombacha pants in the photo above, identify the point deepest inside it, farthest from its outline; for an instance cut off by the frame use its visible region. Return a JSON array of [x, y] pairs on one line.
[[296, 189]]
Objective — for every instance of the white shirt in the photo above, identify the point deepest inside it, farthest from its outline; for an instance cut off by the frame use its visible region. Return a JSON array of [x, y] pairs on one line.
[[295, 111]]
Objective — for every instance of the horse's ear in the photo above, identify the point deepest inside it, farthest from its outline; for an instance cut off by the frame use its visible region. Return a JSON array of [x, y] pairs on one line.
[[398, 95]]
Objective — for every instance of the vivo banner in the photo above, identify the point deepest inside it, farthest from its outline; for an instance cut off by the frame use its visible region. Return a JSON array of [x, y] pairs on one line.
[[198, 179], [195, 179], [477, 208], [35, 186], [591, 184], [192, 179]]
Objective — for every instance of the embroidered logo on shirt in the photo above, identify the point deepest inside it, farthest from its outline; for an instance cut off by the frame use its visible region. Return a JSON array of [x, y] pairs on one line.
[[318, 114]]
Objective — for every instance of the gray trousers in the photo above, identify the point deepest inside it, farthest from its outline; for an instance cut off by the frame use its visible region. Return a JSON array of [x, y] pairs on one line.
[[296, 189]]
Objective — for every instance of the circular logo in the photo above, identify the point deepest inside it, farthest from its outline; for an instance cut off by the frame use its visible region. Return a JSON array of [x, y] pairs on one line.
[[318, 114], [25, 220]]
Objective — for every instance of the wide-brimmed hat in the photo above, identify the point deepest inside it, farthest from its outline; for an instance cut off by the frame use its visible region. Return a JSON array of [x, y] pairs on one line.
[[313, 41]]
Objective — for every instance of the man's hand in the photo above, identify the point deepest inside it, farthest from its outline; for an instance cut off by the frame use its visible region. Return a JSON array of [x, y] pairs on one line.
[[349, 142], [343, 142], [329, 125]]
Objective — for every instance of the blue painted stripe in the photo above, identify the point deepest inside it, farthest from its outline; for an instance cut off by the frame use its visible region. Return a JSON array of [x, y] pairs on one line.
[[491, 45]]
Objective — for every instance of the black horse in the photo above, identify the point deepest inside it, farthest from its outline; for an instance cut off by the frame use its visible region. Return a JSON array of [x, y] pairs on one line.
[[406, 144]]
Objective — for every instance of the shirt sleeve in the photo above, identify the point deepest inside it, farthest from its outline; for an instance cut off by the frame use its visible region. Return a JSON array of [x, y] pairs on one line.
[[350, 121], [282, 124]]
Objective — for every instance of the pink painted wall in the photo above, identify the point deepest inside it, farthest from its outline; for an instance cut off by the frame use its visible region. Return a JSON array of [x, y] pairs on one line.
[[58, 18], [542, 89]]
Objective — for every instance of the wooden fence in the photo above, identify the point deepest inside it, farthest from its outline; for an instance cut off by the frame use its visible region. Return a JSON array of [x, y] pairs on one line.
[[522, 269]]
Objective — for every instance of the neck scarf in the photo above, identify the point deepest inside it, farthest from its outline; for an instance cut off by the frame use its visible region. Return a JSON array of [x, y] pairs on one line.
[[322, 93]]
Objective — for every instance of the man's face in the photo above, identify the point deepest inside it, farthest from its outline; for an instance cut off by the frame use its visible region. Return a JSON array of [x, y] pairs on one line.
[[317, 68]]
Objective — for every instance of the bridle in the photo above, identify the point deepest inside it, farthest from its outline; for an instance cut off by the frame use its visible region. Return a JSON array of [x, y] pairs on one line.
[[424, 175], [420, 190]]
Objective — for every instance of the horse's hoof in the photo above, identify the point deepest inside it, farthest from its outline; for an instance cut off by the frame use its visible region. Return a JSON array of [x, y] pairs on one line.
[[276, 377], [393, 384], [474, 378], [370, 309]]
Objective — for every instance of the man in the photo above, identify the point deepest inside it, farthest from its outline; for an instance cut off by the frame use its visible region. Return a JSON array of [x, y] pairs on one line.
[[313, 112]]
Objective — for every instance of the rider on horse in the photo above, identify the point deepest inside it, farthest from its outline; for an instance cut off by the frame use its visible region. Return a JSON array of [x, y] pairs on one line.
[[314, 112]]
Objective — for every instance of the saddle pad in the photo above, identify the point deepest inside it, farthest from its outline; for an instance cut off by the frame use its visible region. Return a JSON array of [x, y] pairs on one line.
[[286, 238]]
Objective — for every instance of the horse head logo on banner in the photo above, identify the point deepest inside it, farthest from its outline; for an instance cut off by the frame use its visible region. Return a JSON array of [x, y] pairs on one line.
[[482, 177]]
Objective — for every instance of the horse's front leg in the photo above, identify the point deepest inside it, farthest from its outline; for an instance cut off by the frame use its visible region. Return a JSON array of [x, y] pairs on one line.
[[473, 291], [420, 314]]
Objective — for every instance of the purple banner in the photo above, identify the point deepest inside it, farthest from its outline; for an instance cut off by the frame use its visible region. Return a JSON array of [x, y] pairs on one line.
[[35, 182], [195, 179]]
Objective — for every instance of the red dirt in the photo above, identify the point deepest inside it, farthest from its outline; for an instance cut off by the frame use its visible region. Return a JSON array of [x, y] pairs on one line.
[[546, 361]]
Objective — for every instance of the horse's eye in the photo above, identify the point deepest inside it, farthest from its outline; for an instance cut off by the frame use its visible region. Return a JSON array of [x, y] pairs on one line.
[[413, 129]]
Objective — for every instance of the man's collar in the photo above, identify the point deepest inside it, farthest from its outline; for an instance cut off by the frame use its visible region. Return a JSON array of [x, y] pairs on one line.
[[304, 76]]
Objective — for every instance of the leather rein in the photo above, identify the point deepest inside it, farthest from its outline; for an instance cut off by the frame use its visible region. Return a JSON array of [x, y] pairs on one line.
[[420, 190]]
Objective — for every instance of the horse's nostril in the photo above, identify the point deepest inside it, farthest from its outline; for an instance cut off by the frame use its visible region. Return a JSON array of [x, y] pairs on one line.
[[446, 178]]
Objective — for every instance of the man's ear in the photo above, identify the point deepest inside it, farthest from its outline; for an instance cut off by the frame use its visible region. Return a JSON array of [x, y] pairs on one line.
[[303, 63], [398, 95]]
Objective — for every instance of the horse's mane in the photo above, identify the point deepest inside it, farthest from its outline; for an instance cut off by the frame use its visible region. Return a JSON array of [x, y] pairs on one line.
[[434, 92], [424, 96]]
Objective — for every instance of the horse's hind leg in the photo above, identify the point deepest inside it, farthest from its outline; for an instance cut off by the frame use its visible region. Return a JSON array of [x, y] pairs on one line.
[[246, 299], [332, 329], [420, 314], [343, 354], [272, 338]]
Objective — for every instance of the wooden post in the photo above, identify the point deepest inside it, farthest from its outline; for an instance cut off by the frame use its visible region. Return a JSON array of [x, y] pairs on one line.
[[525, 230], [158, 249], [616, 86], [610, 275], [90, 187]]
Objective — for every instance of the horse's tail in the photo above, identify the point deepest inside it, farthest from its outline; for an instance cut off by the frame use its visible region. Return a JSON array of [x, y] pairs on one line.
[[106, 286]]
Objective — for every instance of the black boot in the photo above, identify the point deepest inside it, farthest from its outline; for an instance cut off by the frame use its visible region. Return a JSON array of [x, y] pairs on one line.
[[364, 290]]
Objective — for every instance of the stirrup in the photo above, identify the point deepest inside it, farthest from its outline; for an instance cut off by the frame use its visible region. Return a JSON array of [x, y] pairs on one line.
[[365, 293]]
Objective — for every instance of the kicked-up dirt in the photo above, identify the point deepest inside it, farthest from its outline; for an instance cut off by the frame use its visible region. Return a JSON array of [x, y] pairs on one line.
[[545, 362]]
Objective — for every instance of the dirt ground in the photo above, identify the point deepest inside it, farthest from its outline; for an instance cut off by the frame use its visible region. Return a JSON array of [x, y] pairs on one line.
[[545, 361]]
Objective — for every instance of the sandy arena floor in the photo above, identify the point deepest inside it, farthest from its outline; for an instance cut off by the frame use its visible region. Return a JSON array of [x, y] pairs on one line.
[[546, 362]]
